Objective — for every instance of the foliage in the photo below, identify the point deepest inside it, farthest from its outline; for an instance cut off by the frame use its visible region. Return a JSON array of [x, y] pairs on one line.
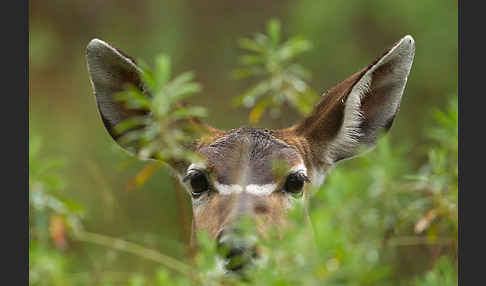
[[52, 217], [51, 214], [363, 219], [169, 129], [378, 220], [444, 273], [366, 216], [282, 80]]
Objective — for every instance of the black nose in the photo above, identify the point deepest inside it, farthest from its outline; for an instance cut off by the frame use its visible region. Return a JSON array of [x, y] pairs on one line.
[[237, 250]]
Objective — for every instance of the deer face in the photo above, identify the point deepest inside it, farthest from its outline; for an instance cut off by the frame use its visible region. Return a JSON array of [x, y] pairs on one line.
[[239, 180], [238, 177]]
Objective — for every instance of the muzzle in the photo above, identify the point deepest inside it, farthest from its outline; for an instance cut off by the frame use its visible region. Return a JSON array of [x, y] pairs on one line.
[[237, 249]]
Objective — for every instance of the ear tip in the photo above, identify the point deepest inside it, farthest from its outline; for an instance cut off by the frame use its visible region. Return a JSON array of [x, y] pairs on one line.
[[95, 48], [95, 45], [408, 43], [100, 49], [409, 38]]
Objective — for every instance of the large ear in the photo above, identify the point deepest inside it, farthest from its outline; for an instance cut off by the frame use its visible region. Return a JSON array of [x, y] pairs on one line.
[[111, 72], [352, 114]]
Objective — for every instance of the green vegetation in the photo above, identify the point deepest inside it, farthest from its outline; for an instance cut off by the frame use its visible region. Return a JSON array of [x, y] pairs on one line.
[[368, 219], [282, 80], [51, 217], [389, 217], [168, 129]]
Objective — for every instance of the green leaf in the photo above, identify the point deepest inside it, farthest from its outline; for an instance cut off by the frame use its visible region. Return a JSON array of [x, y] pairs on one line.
[[249, 97], [130, 123], [162, 70], [133, 98], [257, 111], [293, 47], [273, 30], [279, 79], [249, 60], [250, 45], [184, 91], [146, 75]]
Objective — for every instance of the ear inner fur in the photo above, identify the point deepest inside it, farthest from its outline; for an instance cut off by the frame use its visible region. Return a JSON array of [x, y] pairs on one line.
[[339, 124]]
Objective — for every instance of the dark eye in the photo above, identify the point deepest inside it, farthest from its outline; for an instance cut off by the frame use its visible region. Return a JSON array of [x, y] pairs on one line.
[[295, 183], [198, 181]]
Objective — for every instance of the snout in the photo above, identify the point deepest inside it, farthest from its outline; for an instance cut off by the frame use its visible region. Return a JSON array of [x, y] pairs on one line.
[[236, 249], [237, 222]]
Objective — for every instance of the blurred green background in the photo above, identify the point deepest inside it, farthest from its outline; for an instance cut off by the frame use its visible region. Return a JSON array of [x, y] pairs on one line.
[[202, 36]]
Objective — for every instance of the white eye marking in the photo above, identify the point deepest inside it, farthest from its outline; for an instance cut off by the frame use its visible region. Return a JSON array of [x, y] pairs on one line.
[[228, 189], [196, 166], [299, 168], [260, 190], [257, 190]]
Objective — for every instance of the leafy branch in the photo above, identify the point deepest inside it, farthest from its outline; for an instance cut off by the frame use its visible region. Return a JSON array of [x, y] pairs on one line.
[[169, 130], [282, 81]]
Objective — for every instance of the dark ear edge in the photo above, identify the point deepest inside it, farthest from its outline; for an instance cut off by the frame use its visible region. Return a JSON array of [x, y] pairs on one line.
[[353, 113]]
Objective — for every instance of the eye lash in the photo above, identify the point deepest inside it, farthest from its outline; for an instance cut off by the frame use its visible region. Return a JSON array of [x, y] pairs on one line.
[[301, 176], [305, 178]]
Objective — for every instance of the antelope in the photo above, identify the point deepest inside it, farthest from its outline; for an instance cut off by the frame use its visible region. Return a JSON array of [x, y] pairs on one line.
[[236, 179]]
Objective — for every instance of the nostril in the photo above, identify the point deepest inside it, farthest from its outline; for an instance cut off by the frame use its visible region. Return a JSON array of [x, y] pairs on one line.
[[238, 257], [235, 251], [261, 209]]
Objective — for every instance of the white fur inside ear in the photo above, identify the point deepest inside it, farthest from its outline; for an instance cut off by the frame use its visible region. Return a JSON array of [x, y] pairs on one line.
[[348, 138]]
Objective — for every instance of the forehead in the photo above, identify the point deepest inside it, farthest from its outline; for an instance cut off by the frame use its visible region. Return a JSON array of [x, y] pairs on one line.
[[246, 156]]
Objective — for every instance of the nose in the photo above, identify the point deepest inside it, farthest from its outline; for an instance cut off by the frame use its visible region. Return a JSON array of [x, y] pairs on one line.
[[236, 249]]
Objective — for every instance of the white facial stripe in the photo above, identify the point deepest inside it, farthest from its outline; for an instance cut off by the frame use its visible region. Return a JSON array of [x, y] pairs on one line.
[[257, 190], [261, 190], [254, 189], [228, 189]]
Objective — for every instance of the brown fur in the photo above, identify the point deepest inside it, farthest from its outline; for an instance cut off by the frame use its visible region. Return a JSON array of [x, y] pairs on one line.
[[222, 211]]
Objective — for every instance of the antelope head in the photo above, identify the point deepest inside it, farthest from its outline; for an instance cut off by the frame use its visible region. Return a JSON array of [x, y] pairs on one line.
[[238, 179]]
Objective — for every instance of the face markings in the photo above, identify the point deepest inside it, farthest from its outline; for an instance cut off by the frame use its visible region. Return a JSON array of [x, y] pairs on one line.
[[240, 168], [261, 190], [228, 189], [244, 160], [257, 190]]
